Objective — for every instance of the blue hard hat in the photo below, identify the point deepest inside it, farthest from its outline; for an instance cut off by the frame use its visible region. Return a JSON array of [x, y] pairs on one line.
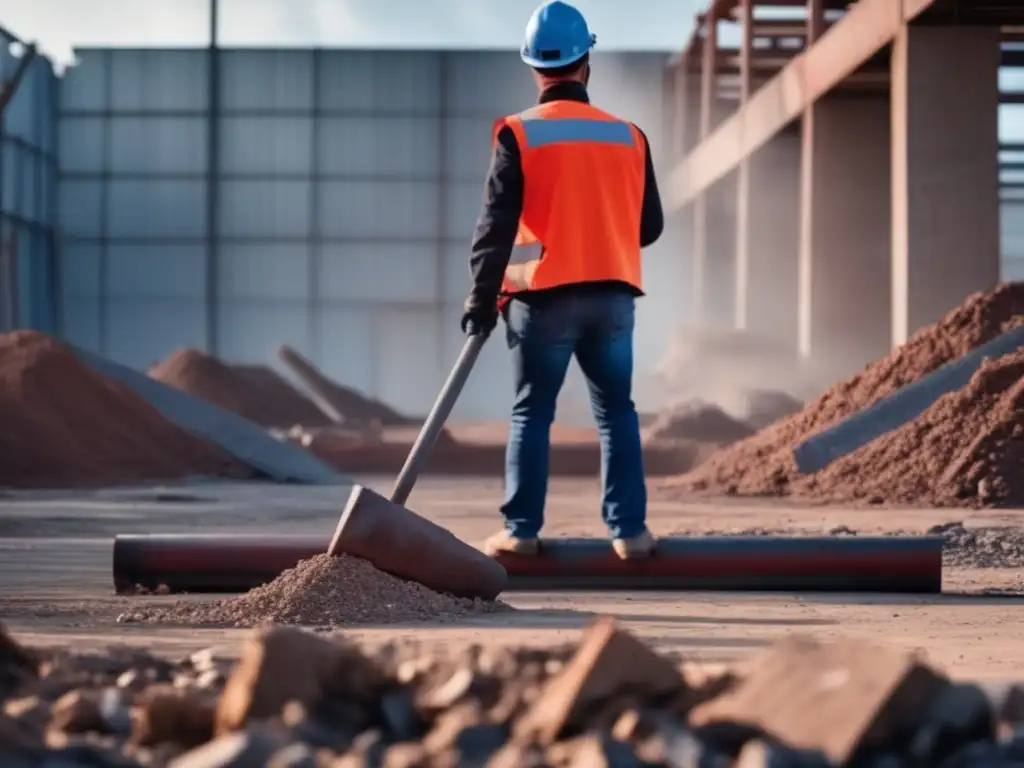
[[556, 36]]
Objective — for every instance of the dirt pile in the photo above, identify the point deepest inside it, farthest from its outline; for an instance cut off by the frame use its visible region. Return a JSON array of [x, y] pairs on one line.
[[698, 421], [350, 403], [298, 698], [926, 461], [253, 392], [761, 407], [65, 426], [324, 590]]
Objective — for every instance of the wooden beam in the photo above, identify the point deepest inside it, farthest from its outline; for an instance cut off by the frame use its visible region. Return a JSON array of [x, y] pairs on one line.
[[866, 28]]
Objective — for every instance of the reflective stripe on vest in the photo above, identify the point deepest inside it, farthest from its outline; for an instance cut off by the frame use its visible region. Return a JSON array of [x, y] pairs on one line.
[[540, 132], [581, 207]]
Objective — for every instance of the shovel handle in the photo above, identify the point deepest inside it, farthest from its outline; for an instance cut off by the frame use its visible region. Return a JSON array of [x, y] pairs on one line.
[[436, 418]]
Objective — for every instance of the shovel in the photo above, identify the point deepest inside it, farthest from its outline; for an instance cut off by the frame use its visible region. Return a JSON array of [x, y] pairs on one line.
[[400, 542]]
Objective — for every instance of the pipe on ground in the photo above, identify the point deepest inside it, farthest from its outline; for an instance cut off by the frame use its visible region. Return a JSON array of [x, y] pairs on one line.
[[890, 564]]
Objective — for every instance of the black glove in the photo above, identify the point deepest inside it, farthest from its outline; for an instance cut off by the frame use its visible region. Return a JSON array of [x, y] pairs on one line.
[[479, 319]]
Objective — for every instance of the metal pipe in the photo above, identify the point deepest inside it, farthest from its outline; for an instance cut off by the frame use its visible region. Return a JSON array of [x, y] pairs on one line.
[[231, 563]]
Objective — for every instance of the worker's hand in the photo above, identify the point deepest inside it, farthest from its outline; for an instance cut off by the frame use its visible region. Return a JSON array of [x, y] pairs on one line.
[[478, 320]]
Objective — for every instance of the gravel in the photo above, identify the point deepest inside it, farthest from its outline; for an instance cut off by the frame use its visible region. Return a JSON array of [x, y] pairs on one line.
[[324, 590]]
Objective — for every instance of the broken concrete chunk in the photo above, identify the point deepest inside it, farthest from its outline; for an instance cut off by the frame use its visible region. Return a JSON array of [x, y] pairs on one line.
[[282, 664], [168, 714], [608, 661], [758, 754], [861, 696], [251, 748], [77, 712]]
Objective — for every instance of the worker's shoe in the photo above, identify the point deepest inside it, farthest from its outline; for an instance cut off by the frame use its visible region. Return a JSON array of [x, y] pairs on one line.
[[636, 547], [505, 543]]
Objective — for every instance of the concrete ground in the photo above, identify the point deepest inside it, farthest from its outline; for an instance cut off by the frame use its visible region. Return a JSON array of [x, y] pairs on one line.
[[55, 580]]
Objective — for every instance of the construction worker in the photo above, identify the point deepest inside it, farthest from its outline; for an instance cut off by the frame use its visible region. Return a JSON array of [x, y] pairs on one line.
[[569, 201]]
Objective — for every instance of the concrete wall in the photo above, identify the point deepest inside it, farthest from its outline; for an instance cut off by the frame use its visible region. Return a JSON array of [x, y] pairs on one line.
[[345, 189]]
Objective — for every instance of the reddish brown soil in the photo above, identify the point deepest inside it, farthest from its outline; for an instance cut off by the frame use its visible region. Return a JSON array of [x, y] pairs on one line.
[[479, 450], [254, 392], [64, 426], [967, 448], [904, 466]]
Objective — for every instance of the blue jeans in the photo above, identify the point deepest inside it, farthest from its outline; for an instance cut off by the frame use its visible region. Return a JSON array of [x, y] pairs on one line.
[[598, 329]]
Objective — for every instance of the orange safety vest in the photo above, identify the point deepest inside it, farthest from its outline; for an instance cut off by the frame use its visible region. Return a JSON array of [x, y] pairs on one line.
[[583, 172]]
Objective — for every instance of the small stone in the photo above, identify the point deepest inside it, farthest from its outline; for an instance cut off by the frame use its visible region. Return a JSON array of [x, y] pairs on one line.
[[607, 661], [406, 755], [758, 754], [400, 716], [594, 751], [293, 756], [167, 714], [959, 715], [77, 712], [251, 748], [450, 724], [282, 664]]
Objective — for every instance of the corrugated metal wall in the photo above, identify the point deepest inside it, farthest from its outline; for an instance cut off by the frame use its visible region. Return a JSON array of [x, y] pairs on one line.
[[28, 173], [330, 208], [1011, 129]]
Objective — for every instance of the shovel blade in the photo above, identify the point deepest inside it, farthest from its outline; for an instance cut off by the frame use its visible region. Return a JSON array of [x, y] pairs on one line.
[[400, 542]]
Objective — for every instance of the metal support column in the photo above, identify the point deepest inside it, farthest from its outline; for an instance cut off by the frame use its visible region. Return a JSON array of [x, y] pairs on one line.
[[742, 276], [815, 27], [700, 207], [316, 235], [212, 182]]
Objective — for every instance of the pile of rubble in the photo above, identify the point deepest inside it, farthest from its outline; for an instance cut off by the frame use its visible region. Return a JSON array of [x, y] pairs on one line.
[[963, 450], [301, 699], [66, 426]]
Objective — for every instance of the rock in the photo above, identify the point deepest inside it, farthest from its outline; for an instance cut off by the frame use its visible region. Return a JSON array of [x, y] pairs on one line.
[[961, 714], [405, 755], [861, 695], [283, 664], [17, 665], [78, 712], [251, 748], [449, 726], [167, 714], [16, 735], [608, 661], [758, 754], [293, 756], [400, 716], [594, 751], [29, 712], [1011, 707]]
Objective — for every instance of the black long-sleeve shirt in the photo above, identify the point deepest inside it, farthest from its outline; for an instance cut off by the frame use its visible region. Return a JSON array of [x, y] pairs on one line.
[[496, 227]]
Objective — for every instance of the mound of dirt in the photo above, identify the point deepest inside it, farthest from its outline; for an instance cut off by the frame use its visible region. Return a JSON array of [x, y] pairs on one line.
[[700, 422], [65, 426], [352, 404], [326, 590], [253, 392], [910, 464], [761, 407]]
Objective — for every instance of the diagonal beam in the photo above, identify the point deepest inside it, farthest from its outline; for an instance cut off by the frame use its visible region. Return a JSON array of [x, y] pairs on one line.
[[9, 88], [865, 29]]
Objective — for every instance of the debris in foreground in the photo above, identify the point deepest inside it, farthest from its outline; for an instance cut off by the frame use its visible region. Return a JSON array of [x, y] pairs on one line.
[[297, 698]]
